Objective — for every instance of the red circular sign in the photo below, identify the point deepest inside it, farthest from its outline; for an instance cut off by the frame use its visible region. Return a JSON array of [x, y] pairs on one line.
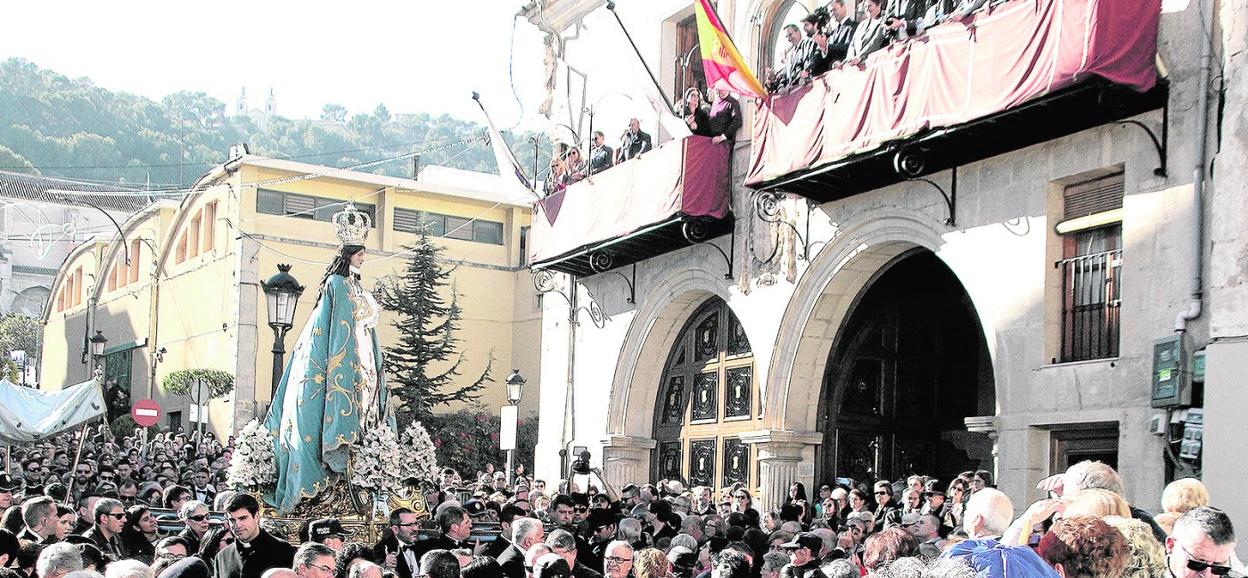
[[146, 412]]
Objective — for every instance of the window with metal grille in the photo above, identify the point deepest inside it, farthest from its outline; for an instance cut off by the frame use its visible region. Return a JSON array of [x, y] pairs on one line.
[[1091, 272]]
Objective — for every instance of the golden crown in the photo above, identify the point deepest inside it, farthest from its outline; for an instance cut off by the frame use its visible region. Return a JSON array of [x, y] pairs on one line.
[[352, 225]]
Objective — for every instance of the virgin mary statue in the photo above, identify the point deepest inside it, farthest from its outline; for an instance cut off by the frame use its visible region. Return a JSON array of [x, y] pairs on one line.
[[333, 387]]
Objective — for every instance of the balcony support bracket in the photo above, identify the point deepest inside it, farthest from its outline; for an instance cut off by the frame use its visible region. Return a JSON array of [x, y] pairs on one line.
[[544, 282], [1162, 145], [698, 232], [950, 197]]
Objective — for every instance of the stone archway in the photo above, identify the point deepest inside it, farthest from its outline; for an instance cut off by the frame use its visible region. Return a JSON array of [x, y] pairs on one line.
[[635, 385], [817, 310]]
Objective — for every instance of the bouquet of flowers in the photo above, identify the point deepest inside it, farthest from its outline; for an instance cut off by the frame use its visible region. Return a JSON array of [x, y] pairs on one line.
[[376, 460], [420, 458], [252, 466]]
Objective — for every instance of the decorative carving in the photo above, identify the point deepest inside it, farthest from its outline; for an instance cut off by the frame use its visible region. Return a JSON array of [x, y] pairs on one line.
[[736, 461], [706, 339], [702, 462], [705, 397], [738, 343], [857, 455], [738, 394], [674, 402], [864, 387], [669, 460]]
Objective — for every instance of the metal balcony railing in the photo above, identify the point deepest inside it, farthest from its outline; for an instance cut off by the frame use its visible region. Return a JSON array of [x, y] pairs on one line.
[[1090, 305]]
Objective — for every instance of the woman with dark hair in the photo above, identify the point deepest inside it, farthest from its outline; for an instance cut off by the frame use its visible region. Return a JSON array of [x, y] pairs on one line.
[[333, 388], [138, 533], [693, 110], [797, 498], [215, 540], [66, 519], [955, 499]]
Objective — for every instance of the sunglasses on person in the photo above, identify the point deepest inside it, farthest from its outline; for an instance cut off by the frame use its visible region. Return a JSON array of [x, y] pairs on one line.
[[1198, 566], [197, 517], [881, 493], [118, 516]]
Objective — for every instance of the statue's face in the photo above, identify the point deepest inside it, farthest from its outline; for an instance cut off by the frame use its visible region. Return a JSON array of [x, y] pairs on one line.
[[357, 260]]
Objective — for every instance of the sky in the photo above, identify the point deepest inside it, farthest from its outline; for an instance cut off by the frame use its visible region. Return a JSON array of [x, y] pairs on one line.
[[415, 56]]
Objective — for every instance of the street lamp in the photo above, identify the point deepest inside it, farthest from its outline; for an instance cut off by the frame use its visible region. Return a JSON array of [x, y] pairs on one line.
[[282, 293], [507, 435], [97, 350]]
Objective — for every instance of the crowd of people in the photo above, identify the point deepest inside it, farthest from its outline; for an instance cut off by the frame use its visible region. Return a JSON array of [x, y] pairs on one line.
[[834, 36], [102, 520]]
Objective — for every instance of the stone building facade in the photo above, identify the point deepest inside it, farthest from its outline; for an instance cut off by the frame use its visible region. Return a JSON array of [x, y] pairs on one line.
[[877, 334]]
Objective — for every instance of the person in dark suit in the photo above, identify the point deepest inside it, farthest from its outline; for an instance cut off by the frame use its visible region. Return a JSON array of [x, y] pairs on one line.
[[254, 549], [39, 514], [635, 142], [110, 518], [402, 533], [195, 515], [840, 32], [455, 526], [903, 16], [601, 157], [525, 533], [724, 119], [563, 543], [500, 544]]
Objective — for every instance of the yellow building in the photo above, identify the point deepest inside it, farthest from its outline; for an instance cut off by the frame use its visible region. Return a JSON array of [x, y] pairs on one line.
[[190, 296]]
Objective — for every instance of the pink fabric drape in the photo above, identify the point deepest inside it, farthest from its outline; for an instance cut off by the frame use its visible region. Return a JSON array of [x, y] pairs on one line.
[[682, 177], [955, 73]]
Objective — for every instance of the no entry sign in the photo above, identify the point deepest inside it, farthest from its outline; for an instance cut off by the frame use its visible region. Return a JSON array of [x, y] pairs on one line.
[[146, 412]]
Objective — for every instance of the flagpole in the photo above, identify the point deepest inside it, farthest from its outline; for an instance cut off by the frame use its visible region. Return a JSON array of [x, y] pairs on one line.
[[666, 100]]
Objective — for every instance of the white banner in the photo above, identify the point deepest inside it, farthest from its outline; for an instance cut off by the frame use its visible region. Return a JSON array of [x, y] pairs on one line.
[[507, 436], [29, 415]]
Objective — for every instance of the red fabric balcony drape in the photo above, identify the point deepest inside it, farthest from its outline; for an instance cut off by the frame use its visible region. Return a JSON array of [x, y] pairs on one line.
[[955, 73]]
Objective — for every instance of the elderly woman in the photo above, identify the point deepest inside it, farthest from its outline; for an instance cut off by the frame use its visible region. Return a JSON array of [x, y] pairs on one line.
[[651, 563], [1084, 547], [1179, 497]]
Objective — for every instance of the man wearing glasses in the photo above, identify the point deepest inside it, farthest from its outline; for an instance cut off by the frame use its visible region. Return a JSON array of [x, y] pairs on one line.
[[403, 526], [194, 514], [110, 517], [618, 562], [315, 560], [1201, 545]]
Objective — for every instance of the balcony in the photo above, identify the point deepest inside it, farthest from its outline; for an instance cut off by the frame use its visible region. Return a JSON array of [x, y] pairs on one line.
[[671, 197], [1026, 72]]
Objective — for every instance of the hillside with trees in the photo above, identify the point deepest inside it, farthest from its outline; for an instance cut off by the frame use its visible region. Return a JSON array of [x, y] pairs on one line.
[[57, 126]]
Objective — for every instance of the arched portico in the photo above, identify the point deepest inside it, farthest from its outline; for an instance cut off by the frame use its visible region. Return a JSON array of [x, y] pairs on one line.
[[639, 370]]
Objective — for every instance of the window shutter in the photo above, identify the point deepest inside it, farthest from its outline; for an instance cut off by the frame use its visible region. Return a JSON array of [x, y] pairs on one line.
[[1093, 196]]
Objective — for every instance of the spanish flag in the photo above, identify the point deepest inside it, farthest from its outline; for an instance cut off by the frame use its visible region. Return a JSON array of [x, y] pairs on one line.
[[722, 63]]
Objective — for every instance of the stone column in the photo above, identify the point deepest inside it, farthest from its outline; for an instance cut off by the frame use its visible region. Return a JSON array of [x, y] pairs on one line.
[[780, 455], [626, 459]]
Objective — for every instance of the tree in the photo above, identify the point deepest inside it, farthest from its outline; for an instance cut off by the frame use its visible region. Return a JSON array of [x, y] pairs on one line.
[[17, 333], [334, 112], [468, 439], [382, 113], [427, 326]]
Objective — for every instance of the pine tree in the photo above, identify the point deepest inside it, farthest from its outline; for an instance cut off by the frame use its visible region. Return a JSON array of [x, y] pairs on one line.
[[427, 326]]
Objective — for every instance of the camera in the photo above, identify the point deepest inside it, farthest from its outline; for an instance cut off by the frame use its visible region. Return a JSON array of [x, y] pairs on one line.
[[581, 464]]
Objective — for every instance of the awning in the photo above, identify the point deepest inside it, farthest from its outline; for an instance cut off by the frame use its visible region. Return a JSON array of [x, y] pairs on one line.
[[1018, 53], [29, 415], [636, 210]]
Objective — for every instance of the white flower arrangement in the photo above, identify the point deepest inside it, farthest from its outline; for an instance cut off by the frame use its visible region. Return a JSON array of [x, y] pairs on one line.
[[381, 461], [252, 466], [420, 457], [376, 459]]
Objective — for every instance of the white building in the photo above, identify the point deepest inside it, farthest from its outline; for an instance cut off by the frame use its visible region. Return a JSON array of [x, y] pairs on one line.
[[1013, 313], [41, 226]]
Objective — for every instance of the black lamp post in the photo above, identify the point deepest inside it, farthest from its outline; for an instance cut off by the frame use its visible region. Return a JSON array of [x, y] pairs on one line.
[[281, 292], [515, 383]]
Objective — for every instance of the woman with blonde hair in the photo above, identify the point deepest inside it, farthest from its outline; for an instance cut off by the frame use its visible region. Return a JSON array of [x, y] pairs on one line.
[[1095, 502], [651, 563], [1145, 557], [1180, 496]]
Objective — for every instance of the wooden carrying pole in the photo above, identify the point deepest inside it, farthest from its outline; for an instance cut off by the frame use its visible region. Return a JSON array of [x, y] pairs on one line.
[[69, 488]]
